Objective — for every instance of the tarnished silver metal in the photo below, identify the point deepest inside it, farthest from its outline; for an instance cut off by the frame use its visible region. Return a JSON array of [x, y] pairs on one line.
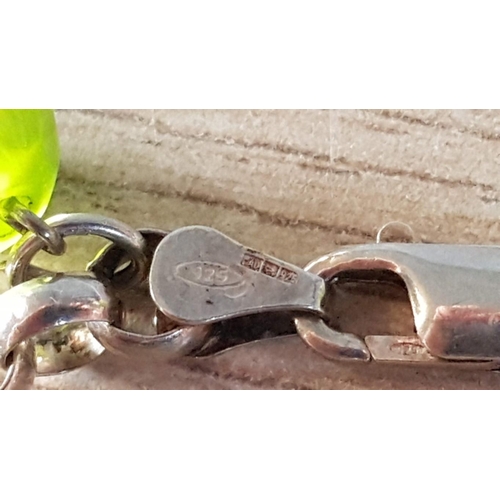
[[455, 299], [38, 307], [201, 276], [23, 220], [138, 326], [66, 348], [18, 268]]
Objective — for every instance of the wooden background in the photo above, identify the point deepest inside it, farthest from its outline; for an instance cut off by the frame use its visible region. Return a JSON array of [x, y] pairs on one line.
[[293, 183]]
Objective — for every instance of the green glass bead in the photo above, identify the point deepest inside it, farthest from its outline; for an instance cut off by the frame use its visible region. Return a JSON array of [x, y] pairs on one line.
[[29, 162]]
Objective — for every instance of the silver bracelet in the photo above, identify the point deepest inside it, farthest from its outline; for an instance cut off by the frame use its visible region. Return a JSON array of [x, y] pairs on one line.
[[189, 281]]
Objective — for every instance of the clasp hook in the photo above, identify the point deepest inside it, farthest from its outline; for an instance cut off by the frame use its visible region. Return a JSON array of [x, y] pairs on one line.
[[454, 294]]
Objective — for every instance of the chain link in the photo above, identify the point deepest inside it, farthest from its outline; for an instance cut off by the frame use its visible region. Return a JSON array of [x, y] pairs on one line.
[[84, 225], [51, 312], [41, 306]]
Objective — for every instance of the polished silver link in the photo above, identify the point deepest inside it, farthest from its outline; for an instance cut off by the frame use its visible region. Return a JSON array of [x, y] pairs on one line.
[[39, 307], [18, 268], [139, 329], [23, 220]]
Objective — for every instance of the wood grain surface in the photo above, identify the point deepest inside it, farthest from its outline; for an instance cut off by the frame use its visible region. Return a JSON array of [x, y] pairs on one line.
[[293, 183]]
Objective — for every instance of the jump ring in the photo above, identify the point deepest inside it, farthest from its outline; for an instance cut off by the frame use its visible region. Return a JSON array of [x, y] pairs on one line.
[[23, 220], [405, 230]]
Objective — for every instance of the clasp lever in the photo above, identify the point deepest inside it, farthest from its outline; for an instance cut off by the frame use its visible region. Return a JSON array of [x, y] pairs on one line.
[[455, 298]]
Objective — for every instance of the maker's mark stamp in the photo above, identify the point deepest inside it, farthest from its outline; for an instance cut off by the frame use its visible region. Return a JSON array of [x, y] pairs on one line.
[[260, 264]]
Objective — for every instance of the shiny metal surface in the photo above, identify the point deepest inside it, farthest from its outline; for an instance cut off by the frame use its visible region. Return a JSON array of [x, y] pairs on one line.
[[23, 220], [329, 342], [138, 327], [454, 294], [42, 305], [200, 276], [18, 268], [176, 343]]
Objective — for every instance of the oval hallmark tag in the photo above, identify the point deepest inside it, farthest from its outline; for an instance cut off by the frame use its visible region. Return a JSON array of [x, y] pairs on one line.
[[199, 275]]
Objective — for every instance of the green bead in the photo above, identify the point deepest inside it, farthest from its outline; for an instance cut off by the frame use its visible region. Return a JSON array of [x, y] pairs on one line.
[[29, 161]]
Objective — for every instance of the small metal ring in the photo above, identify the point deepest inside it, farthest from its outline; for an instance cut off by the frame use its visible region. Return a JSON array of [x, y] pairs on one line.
[[403, 229], [23, 220], [42, 305], [84, 225]]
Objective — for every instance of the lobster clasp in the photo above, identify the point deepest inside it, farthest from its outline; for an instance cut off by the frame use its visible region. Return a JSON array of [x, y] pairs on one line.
[[454, 294]]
